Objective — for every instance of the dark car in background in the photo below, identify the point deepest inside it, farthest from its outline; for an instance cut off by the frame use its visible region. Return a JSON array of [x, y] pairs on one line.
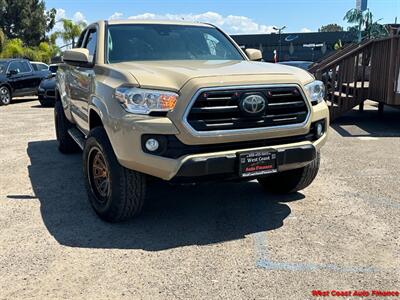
[[18, 78], [47, 88], [53, 69], [305, 65]]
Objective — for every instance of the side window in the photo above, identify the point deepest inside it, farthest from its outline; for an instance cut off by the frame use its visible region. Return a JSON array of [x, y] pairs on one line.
[[90, 43], [15, 66], [42, 67], [35, 67], [25, 68]]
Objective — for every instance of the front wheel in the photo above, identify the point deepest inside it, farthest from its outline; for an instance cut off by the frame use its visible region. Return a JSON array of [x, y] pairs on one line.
[[5, 96], [115, 193], [293, 180]]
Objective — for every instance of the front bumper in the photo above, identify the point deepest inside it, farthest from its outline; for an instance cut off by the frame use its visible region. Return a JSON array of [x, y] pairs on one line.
[[227, 165], [40, 93], [46, 93], [223, 163]]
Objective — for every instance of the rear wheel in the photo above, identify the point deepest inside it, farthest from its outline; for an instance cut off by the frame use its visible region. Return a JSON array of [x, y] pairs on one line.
[[115, 192], [65, 142], [5, 95], [293, 180]]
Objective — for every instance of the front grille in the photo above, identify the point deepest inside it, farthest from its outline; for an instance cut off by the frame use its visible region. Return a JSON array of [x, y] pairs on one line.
[[223, 109], [51, 93]]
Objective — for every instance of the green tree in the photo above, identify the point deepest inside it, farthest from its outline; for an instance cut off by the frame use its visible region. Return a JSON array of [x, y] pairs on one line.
[[71, 31], [364, 23], [330, 28], [53, 38], [47, 51], [2, 40], [26, 19], [32, 54], [375, 29], [13, 48], [338, 45]]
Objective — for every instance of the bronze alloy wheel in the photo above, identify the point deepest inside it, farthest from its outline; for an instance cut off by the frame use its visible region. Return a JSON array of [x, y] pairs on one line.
[[5, 96], [115, 193], [99, 175]]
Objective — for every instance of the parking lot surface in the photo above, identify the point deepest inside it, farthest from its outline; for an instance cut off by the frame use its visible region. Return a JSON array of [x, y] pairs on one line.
[[220, 240]]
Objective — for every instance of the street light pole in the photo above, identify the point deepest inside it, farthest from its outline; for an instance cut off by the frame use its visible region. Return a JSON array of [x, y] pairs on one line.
[[279, 29]]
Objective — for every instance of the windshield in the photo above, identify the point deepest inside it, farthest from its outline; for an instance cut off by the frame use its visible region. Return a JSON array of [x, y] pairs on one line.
[[138, 42], [3, 67], [53, 68]]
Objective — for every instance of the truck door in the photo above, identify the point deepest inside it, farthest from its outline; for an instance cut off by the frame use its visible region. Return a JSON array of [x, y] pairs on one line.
[[33, 78], [82, 79], [20, 77]]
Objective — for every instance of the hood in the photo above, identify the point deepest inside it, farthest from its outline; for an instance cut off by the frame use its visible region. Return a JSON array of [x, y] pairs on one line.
[[49, 83], [172, 75]]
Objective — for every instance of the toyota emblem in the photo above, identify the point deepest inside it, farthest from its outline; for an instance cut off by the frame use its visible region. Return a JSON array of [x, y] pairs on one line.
[[253, 104]]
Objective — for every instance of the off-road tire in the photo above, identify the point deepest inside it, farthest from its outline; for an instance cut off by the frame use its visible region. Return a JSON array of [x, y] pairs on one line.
[[45, 102], [293, 180], [127, 188], [5, 89], [65, 142]]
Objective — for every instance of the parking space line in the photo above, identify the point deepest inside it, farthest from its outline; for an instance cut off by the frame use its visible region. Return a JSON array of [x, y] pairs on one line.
[[368, 138], [381, 201], [373, 200], [263, 261]]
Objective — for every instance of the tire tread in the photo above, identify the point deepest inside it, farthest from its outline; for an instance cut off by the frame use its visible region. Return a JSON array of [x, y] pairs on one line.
[[293, 180], [128, 186]]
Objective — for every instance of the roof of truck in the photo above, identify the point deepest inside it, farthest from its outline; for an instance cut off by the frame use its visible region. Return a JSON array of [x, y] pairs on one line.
[[165, 22]]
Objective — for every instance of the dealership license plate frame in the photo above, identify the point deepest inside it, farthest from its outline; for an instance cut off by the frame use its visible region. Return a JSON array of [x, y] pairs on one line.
[[263, 161]]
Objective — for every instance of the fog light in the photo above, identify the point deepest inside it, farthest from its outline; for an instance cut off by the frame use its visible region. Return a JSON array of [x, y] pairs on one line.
[[152, 145], [319, 130]]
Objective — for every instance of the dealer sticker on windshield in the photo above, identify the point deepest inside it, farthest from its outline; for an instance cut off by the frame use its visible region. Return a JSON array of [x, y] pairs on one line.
[[257, 163]]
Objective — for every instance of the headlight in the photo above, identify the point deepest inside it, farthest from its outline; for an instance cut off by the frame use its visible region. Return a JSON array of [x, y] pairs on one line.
[[316, 91], [143, 101]]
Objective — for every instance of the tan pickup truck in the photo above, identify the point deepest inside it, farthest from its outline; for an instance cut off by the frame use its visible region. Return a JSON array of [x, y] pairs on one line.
[[182, 102]]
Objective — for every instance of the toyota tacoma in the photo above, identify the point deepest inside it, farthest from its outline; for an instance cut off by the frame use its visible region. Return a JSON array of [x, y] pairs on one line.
[[181, 102]]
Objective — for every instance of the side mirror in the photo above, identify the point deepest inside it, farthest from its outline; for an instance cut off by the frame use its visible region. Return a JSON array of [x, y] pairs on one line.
[[253, 54], [77, 57]]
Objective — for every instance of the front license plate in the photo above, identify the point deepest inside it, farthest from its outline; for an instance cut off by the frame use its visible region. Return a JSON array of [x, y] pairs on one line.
[[257, 163]]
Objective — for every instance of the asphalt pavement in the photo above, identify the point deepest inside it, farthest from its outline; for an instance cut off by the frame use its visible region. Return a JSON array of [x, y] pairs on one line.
[[209, 241]]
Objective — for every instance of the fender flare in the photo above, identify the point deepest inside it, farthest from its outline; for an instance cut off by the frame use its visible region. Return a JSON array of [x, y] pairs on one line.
[[98, 106]]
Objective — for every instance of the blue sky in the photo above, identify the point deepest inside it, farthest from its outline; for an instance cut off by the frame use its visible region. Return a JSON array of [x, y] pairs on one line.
[[234, 16]]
